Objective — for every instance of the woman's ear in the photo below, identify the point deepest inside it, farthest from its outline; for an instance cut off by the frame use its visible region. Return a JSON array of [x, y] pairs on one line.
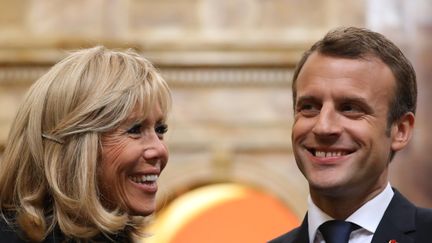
[[402, 130]]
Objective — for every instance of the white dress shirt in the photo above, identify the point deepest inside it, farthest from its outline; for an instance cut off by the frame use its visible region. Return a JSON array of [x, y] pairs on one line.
[[367, 217]]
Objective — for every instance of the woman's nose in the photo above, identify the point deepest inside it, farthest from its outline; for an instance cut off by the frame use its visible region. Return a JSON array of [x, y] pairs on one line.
[[155, 148]]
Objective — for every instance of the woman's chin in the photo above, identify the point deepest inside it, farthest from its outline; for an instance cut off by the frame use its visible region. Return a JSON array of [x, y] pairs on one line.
[[140, 211]]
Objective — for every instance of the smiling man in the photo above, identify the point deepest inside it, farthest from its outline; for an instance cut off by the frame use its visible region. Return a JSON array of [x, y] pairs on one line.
[[354, 96]]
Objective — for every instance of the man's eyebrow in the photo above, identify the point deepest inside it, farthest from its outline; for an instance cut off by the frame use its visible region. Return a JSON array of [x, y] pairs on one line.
[[353, 99], [308, 98], [356, 100]]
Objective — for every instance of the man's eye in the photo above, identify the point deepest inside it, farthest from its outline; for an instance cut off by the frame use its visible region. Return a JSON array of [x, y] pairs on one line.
[[135, 129], [351, 110], [347, 107], [308, 109], [161, 129]]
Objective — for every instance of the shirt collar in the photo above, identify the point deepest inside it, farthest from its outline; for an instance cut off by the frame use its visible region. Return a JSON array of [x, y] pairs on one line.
[[367, 216]]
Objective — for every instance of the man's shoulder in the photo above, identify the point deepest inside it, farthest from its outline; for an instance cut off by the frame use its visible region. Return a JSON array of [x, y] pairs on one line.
[[406, 216], [287, 237], [424, 216], [423, 224]]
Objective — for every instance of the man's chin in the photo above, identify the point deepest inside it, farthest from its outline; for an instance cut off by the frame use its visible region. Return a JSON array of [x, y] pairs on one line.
[[330, 189]]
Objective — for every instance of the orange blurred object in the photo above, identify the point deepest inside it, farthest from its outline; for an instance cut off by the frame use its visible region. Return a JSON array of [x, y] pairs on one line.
[[222, 213]]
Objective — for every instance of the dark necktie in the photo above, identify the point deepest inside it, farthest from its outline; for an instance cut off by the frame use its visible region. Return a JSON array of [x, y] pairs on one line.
[[337, 231]]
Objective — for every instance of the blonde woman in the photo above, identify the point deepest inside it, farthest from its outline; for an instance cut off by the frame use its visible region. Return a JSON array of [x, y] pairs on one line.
[[85, 151]]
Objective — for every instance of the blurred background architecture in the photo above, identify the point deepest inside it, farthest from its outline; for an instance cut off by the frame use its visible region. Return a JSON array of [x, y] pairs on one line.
[[231, 175]]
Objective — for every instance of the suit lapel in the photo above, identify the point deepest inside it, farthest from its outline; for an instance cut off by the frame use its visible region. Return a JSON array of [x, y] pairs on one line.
[[302, 235], [398, 221]]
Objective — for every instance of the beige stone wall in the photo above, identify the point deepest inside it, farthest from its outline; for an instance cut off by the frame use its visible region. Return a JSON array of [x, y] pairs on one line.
[[229, 64]]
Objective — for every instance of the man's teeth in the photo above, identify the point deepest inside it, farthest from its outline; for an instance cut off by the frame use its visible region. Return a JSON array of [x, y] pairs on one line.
[[144, 178], [324, 154]]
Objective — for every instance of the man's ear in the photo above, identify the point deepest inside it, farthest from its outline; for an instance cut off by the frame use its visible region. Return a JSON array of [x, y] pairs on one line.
[[402, 130]]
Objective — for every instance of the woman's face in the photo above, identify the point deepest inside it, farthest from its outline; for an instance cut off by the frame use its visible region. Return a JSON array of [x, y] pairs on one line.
[[133, 156]]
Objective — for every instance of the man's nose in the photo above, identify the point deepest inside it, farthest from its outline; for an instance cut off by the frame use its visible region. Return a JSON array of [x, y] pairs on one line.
[[327, 123]]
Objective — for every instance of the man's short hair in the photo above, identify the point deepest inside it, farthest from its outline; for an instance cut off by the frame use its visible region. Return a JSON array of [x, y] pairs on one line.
[[354, 43]]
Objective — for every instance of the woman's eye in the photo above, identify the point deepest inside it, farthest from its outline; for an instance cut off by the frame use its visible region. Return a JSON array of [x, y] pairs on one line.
[[161, 129], [135, 129]]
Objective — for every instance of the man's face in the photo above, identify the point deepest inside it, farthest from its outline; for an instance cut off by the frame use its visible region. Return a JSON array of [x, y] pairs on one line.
[[339, 132]]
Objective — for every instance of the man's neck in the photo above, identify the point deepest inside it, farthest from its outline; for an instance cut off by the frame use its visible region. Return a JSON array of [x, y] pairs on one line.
[[341, 206]]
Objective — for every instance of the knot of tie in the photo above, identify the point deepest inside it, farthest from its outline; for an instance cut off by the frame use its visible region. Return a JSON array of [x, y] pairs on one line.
[[337, 231]]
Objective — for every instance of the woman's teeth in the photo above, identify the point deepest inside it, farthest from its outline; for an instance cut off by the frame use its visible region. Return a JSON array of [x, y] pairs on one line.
[[144, 178]]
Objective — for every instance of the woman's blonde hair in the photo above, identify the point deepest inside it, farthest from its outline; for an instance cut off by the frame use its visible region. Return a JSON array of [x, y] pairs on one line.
[[48, 173]]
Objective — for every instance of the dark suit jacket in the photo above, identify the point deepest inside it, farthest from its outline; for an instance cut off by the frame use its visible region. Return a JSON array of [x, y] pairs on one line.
[[402, 221]]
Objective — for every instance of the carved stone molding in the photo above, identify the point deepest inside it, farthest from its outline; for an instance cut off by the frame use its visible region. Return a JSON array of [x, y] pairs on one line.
[[18, 75], [227, 76], [190, 77]]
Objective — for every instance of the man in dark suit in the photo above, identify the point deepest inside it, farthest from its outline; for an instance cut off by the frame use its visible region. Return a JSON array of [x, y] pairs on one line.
[[354, 96]]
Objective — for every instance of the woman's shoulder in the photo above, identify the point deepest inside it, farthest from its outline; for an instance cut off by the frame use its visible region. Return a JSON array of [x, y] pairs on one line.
[[8, 232]]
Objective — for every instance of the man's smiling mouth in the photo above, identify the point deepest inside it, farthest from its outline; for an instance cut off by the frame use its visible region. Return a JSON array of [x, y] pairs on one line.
[[326, 153]]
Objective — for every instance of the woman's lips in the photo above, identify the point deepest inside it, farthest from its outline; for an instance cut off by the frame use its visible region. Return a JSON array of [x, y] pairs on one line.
[[145, 182]]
